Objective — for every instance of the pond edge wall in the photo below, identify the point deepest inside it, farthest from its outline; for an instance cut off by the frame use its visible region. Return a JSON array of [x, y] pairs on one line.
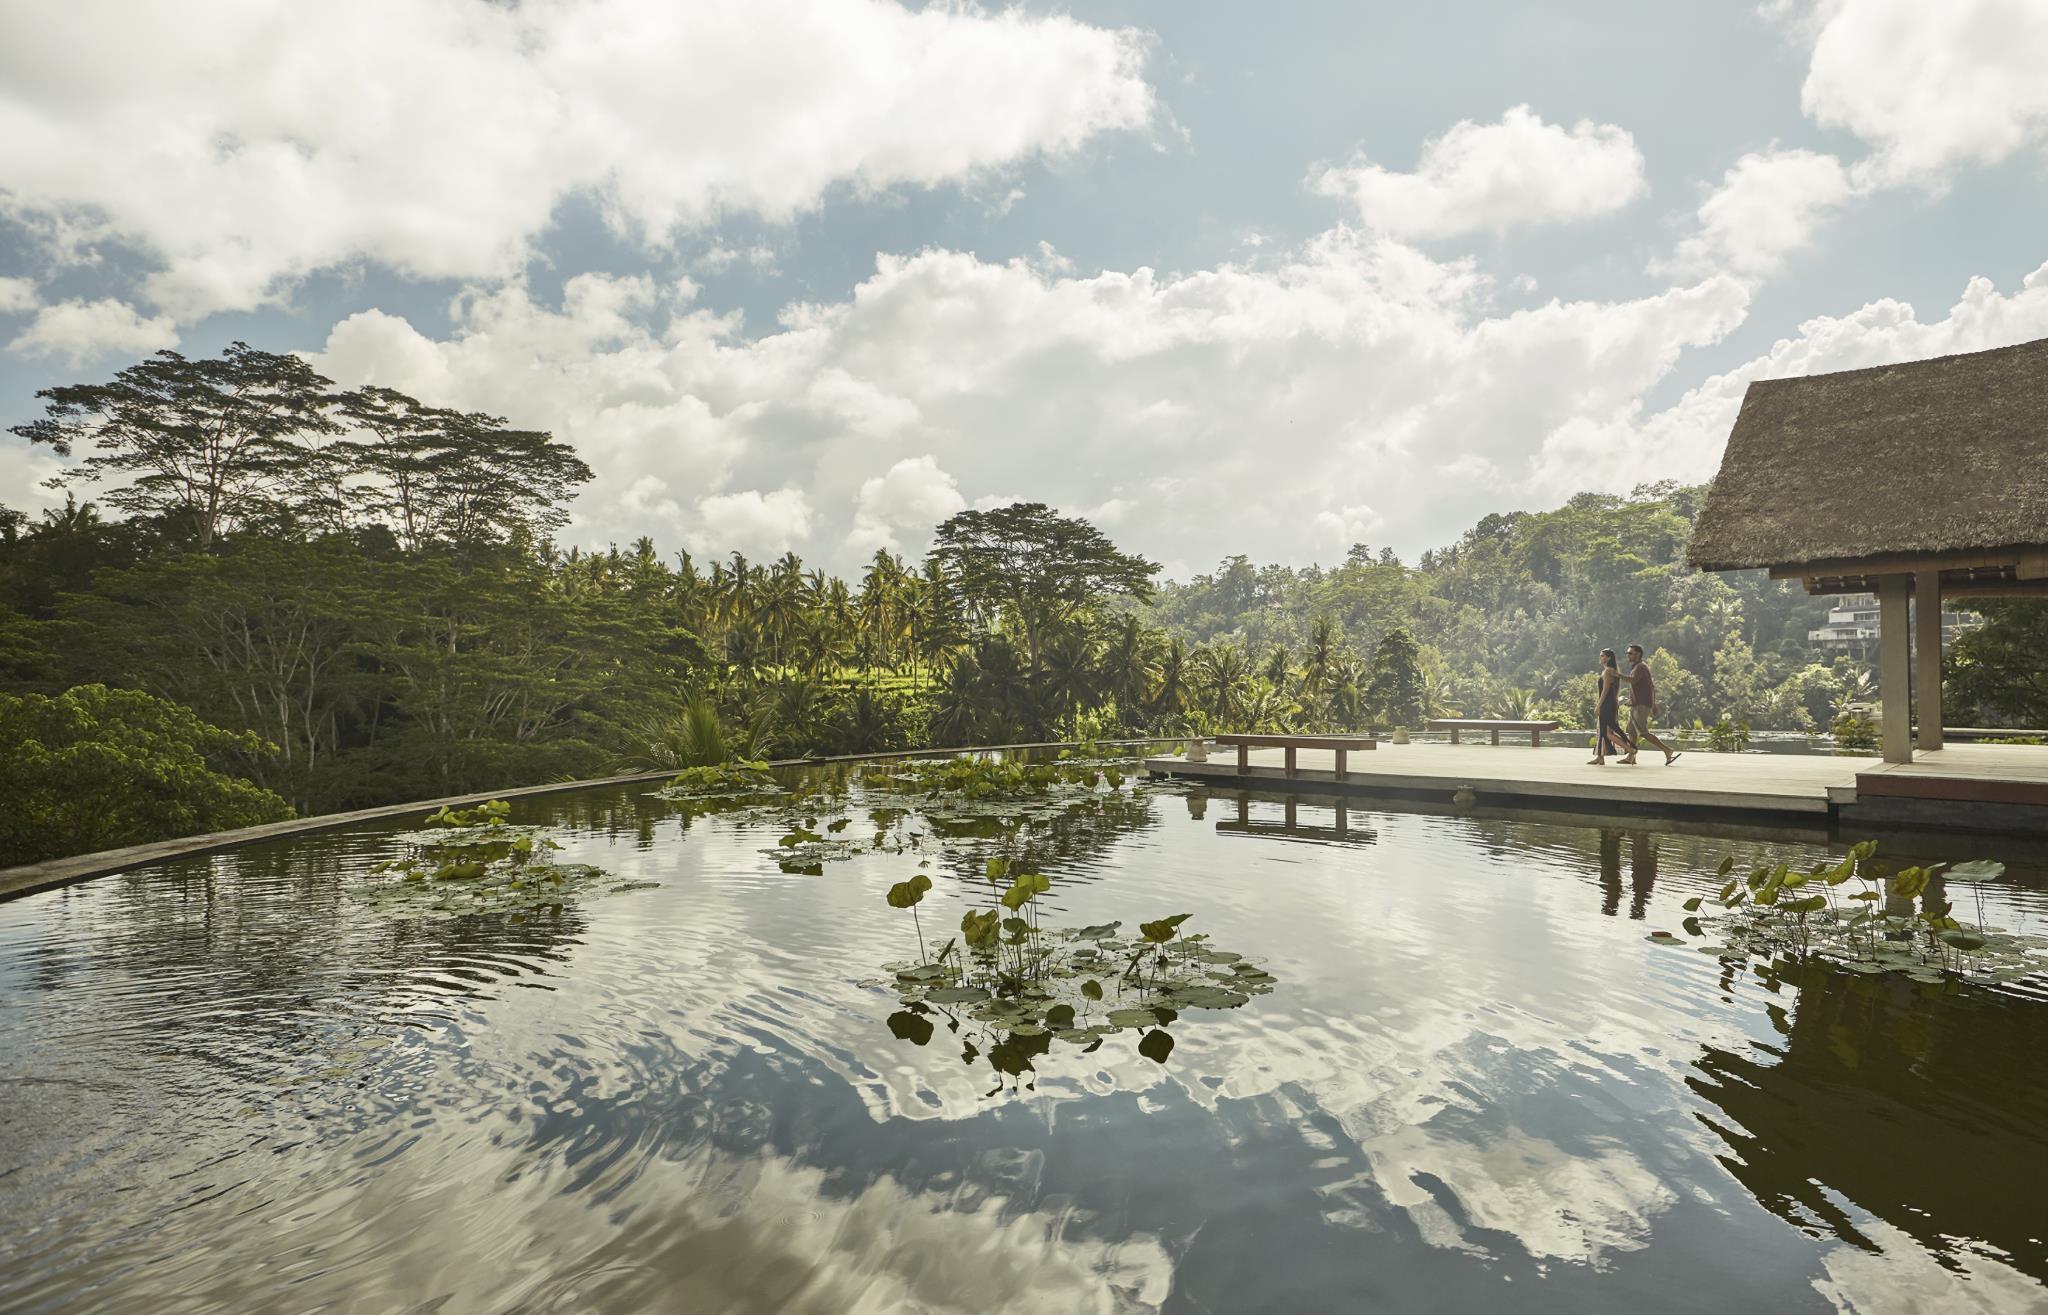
[[32, 877]]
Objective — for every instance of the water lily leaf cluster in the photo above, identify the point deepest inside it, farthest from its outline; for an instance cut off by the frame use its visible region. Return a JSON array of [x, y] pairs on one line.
[[1865, 915], [473, 861], [1009, 987], [721, 780], [975, 778], [943, 820]]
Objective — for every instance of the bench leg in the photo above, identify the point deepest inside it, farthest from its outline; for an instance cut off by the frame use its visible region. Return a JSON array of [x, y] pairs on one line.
[[1290, 761], [1496, 737], [1535, 739], [1340, 764], [1244, 760], [1454, 735]]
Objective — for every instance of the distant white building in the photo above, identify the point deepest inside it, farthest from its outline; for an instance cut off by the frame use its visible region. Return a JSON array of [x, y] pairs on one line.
[[1851, 626]]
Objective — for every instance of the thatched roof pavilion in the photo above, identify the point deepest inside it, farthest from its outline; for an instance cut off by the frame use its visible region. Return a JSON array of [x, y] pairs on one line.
[[1926, 479]]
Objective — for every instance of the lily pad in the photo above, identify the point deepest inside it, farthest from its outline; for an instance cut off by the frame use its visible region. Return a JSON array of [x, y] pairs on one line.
[[1208, 997], [1156, 1045]]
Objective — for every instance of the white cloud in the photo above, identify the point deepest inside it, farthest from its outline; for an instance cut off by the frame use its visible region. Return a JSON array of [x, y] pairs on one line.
[[758, 258], [1493, 176], [647, 498], [1240, 401], [296, 137], [907, 502], [1931, 85], [758, 524], [16, 295], [1768, 206], [81, 331], [1684, 441], [1348, 525], [1470, 468]]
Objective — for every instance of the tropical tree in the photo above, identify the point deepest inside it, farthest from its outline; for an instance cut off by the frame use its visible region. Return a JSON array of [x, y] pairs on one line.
[[97, 768], [1397, 688], [1174, 694], [210, 443], [1129, 668], [2002, 666], [1068, 675], [1029, 566]]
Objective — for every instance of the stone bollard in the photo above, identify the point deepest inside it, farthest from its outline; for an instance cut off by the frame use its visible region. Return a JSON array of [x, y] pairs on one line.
[[1198, 750], [1400, 735]]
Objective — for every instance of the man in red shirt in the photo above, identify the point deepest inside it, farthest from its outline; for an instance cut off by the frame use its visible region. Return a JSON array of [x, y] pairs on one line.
[[1642, 701]]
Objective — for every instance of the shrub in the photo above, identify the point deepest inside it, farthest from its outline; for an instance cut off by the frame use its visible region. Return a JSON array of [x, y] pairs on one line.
[[1728, 735], [1854, 732], [96, 768]]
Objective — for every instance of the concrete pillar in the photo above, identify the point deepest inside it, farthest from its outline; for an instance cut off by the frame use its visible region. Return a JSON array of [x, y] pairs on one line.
[[1927, 655], [1894, 658]]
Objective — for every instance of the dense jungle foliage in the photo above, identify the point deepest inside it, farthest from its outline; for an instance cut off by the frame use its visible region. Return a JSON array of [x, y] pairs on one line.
[[360, 593]]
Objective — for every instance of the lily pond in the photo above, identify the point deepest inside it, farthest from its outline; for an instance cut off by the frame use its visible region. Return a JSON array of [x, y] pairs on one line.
[[981, 1036]]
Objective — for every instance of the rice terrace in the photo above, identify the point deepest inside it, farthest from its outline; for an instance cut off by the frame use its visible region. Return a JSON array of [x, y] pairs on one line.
[[860, 656]]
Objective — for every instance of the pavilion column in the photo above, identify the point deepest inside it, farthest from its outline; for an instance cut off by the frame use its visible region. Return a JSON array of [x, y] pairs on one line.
[[1927, 655], [1894, 671]]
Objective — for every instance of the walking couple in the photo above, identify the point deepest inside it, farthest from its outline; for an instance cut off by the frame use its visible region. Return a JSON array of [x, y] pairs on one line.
[[1642, 701]]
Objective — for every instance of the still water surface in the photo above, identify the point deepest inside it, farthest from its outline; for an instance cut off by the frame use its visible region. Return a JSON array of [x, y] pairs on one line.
[[226, 1086]]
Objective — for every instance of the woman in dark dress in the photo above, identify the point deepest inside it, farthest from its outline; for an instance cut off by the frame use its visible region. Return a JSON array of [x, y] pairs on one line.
[[1610, 731]]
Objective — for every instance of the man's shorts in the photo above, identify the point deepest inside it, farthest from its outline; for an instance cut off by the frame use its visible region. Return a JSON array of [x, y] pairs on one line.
[[1638, 722]]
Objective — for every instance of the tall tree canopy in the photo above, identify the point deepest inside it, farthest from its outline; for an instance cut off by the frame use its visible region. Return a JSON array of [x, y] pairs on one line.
[[255, 439], [2003, 666], [1037, 565], [437, 475], [217, 442]]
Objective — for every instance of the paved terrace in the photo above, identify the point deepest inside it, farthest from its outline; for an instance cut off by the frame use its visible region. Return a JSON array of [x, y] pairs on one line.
[[2014, 778]]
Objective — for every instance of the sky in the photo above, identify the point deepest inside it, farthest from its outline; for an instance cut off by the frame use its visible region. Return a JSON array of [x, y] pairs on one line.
[[812, 275]]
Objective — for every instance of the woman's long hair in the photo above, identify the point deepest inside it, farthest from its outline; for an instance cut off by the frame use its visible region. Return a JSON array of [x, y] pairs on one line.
[[1607, 657]]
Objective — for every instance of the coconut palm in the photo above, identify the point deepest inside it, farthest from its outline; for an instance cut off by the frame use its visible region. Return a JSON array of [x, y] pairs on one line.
[[1068, 674], [1348, 681], [1174, 694], [1264, 706], [1223, 671], [1317, 657], [1128, 667]]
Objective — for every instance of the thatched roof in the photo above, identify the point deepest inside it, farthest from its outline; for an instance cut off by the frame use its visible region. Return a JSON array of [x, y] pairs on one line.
[[1941, 456]]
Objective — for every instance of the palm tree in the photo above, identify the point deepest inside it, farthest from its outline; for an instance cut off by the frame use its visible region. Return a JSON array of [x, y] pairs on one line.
[[1174, 691], [1512, 703], [1317, 657], [1128, 668], [1436, 695], [1068, 673], [1348, 681], [1276, 667], [799, 705], [958, 711], [1266, 707], [695, 739], [1857, 687], [865, 727], [1223, 671]]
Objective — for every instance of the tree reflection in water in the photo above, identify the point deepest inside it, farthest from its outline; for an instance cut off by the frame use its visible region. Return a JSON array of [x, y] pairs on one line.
[[1922, 1105]]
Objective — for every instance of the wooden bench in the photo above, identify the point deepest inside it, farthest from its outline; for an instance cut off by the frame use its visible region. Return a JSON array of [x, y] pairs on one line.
[[1534, 729], [1342, 744]]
